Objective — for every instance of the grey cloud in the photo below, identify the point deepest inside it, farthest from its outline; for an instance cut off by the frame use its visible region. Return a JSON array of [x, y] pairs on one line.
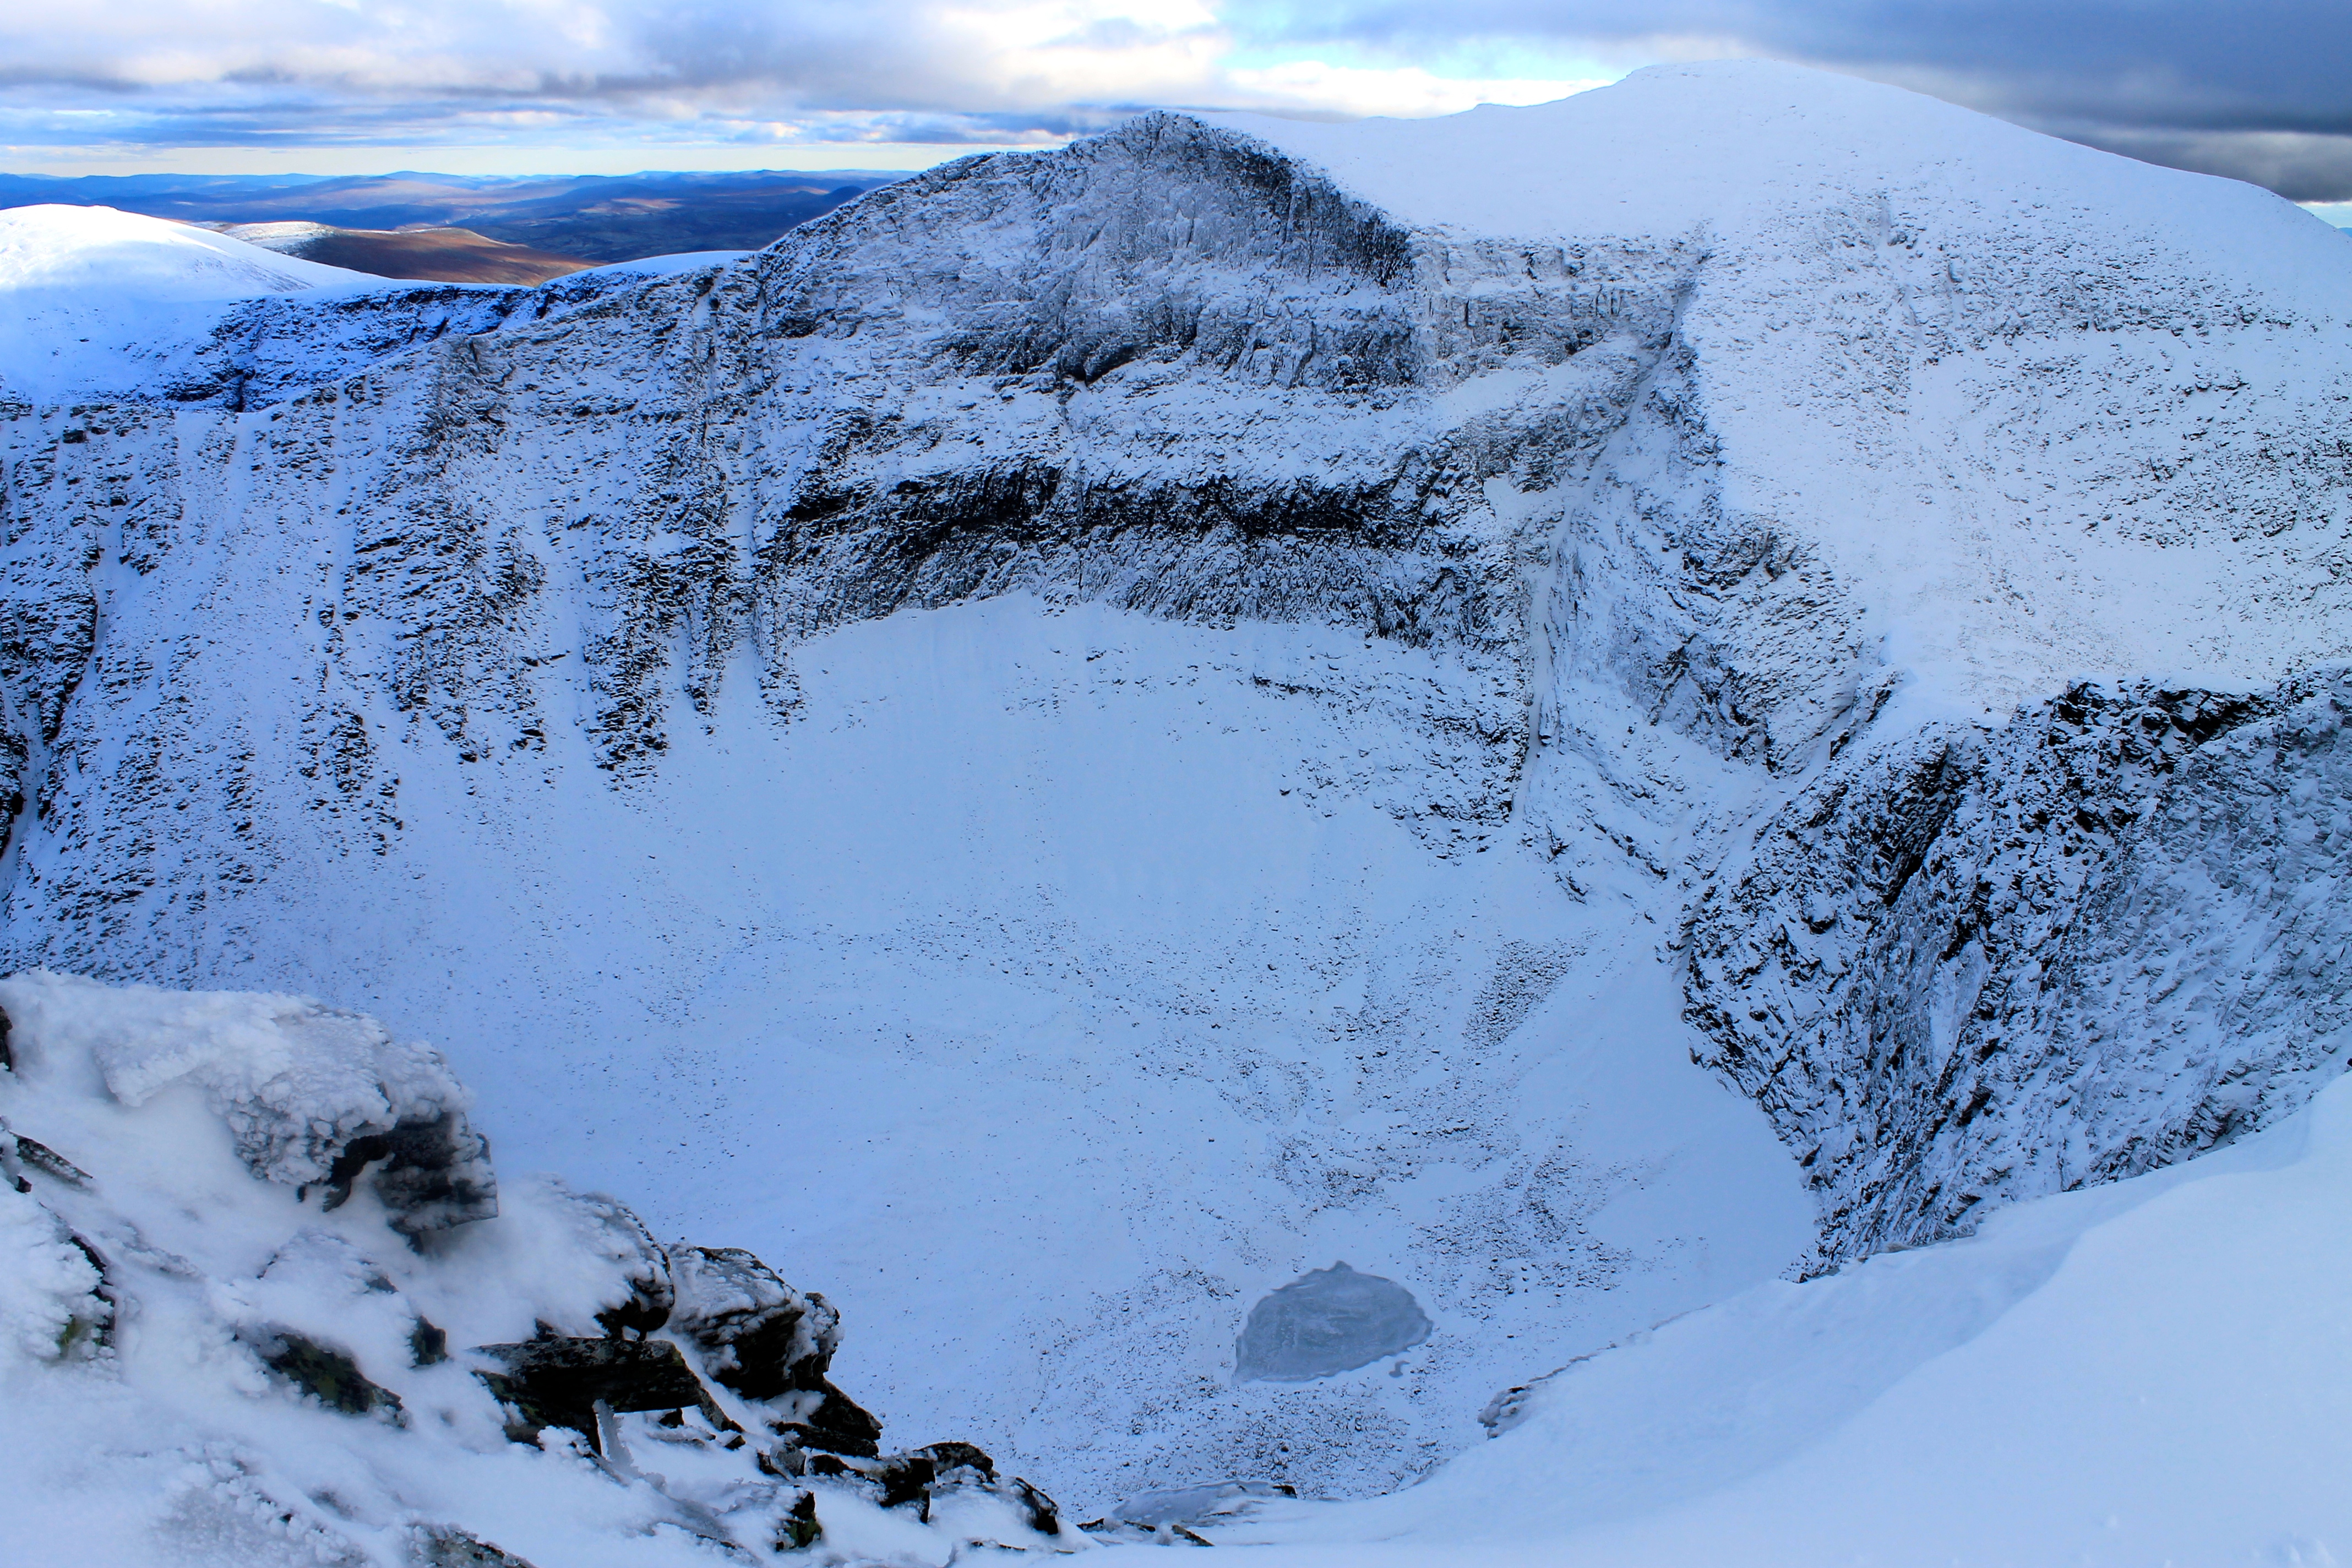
[[2302, 168], [2260, 90]]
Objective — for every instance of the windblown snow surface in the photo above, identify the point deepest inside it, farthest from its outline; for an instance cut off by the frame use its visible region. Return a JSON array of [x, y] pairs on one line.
[[1095, 733]]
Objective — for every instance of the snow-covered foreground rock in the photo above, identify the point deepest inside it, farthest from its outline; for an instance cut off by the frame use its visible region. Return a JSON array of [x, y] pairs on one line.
[[1096, 734], [264, 1302]]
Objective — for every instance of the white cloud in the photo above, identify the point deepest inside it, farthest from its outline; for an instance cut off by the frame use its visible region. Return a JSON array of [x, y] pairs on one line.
[[1317, 86], [552, 74]]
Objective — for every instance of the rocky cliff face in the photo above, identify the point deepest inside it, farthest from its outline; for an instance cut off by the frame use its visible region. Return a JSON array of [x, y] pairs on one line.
[[1169, 370], [1983, 966], [1691, 547]]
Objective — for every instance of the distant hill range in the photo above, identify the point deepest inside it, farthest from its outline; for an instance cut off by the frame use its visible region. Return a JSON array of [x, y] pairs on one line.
[[476, 229], [433, 255]]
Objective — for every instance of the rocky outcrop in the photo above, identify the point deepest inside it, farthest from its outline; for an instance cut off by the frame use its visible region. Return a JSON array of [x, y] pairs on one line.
[[927, 1475], [561, 1383], [1015, 374], [336, 1100], [1991, 964], [332, 1327], [757, 1335]]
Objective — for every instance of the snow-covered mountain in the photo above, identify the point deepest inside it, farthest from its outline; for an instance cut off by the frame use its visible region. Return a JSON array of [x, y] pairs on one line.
[[1095, 732]]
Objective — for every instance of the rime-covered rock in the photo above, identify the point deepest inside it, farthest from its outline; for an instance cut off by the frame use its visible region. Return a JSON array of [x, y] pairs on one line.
[[314, 1096], [757, 1335], [1989, 965], [290, 1393]]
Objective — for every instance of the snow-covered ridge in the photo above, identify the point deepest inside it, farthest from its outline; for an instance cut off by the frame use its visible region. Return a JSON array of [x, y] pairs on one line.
[[127, 258], [1234, 636], [105, 305]]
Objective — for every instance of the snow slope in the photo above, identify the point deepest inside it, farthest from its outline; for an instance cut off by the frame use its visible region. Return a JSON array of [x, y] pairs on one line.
[[95, 298], [101, 304], [2077, 1381], [1095, 731], [1992, 384], [97, 250], [2142, 1373]]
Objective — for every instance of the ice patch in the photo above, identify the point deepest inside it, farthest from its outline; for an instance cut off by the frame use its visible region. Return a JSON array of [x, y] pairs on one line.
[[1326, 1321]]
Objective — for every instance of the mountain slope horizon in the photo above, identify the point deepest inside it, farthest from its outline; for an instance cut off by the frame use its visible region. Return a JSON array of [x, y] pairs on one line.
[[594, 218]]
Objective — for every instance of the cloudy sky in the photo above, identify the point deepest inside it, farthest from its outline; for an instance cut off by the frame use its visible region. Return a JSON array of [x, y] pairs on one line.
[[2257, 88]]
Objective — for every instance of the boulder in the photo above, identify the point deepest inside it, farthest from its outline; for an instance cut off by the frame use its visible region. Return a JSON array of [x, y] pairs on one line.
[[328, 1374], [434, 1173], [922, 1475], [757, 1335], [829, 1420], [559, 1382], [313, 1096], [759, 1338], [641, 1296]]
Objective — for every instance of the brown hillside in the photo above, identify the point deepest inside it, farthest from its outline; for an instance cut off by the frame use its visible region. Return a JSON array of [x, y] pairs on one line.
[[427, 254]]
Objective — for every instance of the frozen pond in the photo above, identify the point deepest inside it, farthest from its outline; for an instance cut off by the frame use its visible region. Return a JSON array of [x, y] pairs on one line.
[[1326, 1321]]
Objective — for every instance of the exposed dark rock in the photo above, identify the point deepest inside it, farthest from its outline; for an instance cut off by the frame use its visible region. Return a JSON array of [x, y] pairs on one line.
[[799, 1527], [757, 1334], [559, 1382], [1041, 1512], [918, 1476], [436, 1173], [428, 1343], [898, 1479], [322, 1372], [7, 1055], [92, 1328], [828, 1419], [446, 1546], [48, 1161]]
